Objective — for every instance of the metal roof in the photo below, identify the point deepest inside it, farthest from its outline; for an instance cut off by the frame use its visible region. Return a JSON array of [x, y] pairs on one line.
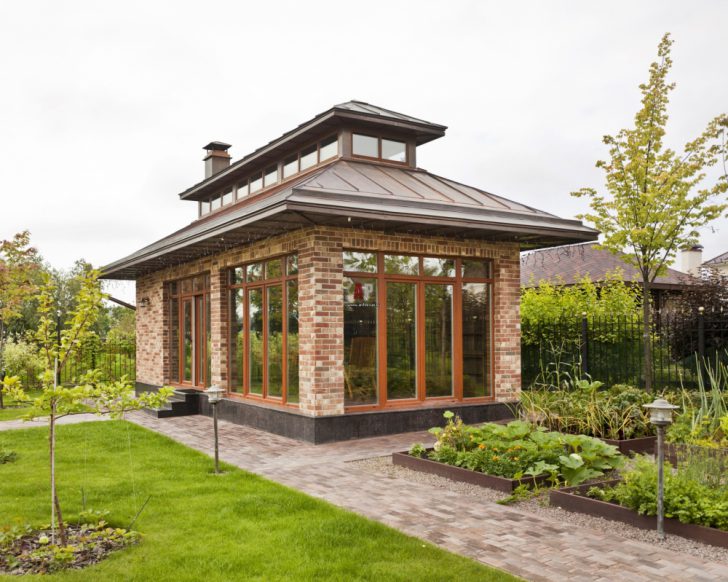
[[567, 264], [719, 260], [364, 195], [351, 111]]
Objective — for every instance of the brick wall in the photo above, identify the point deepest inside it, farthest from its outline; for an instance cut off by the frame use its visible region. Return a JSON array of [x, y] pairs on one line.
[[321, 307]]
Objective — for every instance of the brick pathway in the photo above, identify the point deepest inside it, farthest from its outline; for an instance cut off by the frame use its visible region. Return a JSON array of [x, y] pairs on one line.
[[74, 419], [504, 537]]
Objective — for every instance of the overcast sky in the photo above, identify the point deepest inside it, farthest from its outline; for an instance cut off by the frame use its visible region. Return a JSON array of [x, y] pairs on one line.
[[105, 106]]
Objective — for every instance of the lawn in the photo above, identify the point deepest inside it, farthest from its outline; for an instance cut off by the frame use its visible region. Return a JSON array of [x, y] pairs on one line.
[[200, 526], [12, 410]]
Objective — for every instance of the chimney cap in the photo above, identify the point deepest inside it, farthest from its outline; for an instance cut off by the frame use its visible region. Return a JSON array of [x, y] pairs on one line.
[[693, 248], [217, 146]]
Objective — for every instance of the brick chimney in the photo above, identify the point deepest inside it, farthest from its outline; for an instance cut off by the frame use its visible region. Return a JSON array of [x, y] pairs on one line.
[[217, 157], [690, 260]]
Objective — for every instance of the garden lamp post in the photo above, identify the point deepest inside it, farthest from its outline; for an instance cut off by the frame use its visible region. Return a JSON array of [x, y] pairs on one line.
[[214, 395], [660, 416]]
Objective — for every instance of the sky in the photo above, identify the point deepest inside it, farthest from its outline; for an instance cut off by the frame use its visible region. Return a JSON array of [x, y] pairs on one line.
[[105, 106]]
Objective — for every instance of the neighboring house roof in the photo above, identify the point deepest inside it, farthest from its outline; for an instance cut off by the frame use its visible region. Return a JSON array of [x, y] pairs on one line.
[[719, 260], [569, 263], [364, 195], [357, 112]]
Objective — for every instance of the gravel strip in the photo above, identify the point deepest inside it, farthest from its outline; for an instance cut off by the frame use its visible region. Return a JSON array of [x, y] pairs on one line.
[[539, 506]]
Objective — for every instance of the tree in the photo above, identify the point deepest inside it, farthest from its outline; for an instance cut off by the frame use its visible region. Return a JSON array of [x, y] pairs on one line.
[[657, 198], [18, 263], [91, 393]]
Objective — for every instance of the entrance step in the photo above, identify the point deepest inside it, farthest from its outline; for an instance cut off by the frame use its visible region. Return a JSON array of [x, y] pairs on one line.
[[181, 403]]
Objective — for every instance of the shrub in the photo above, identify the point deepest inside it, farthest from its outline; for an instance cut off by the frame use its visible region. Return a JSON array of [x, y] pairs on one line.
[[21, 358], [7, 456]]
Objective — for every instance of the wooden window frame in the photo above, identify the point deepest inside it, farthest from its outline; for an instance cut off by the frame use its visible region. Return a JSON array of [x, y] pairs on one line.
[[199, 322], [379, 137], [421, 280], [263, 284]]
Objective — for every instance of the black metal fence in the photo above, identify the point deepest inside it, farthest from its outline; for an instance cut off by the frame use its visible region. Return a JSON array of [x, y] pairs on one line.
[[113, 359], [611, 349]]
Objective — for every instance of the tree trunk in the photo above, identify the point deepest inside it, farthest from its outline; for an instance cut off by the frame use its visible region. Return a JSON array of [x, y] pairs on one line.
[[56, 514], [646, 333], [2, 362]]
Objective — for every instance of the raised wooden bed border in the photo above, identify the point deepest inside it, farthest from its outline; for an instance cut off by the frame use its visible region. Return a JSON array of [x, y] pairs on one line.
[[575, 499], [404, 459], [638, 446]]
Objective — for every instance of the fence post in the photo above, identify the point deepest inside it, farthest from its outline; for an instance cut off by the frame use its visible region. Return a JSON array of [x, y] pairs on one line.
[[701, 332], [584, 343]]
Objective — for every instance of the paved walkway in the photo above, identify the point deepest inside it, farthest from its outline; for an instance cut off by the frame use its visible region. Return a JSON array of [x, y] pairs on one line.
[[43, 421], [504, 537]]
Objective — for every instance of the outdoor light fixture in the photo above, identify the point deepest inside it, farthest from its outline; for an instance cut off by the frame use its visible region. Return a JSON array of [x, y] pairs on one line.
[[660, 416], [144, 302], [214, 396]]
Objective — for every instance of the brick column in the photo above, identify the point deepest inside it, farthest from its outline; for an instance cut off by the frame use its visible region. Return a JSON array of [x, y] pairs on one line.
[[507, 325], [219, 325], [321, 324], [150, 331]]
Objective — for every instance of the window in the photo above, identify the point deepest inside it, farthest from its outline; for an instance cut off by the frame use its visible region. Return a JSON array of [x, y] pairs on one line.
[[328, 148], [227, 197], [309, 158], [369, 146], [264, 330], [256, 183], [204, 207], [271, 176], [365, 145], [290, 166], [215, 203], [394, 151], [189, 331], [242, 190], [416, 328]]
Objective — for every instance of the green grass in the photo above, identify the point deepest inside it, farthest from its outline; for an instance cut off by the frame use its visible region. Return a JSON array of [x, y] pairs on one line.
[[200, 526], [12, 410]]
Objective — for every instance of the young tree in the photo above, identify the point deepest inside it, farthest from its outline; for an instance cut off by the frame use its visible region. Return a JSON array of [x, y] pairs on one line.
[[18, 263], [657, 198], [91, 393]]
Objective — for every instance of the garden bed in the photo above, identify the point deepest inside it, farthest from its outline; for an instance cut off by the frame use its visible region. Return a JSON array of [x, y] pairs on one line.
[[404, 459], [638, 446], [575, 499]]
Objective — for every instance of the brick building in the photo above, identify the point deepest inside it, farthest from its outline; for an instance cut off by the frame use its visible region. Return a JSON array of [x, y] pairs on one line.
[[335, 289]]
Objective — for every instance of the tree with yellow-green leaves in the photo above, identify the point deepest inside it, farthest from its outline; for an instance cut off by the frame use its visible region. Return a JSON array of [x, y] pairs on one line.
[[657, 199], [89, 393]]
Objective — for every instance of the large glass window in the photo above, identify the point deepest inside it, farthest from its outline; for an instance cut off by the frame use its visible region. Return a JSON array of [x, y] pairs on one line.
[[264, 329], [476, 332], [328, 148], [401, 340], [360, 340], [438, 340], [415, 328], [271, 176], [309, 158], [189, 331]]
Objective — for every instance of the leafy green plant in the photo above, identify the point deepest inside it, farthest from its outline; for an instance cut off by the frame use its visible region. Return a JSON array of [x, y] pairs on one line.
[[520, 449], [686, 498], [418, 450]]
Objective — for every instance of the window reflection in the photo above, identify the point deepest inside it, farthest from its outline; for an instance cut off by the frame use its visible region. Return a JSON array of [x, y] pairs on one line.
[[438, 340], [476, 339], [395, 151], [360, 262], [255, 339], [401, 265], [274, 341], [401, 340], [365, 145], [292, 343], [360, 341]]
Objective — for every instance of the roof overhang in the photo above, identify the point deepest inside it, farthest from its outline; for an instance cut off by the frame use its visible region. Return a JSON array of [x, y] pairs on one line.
[[290, 211]]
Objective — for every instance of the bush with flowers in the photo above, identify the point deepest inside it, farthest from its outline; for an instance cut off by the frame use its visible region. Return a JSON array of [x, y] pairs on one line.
[[520, 449]]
